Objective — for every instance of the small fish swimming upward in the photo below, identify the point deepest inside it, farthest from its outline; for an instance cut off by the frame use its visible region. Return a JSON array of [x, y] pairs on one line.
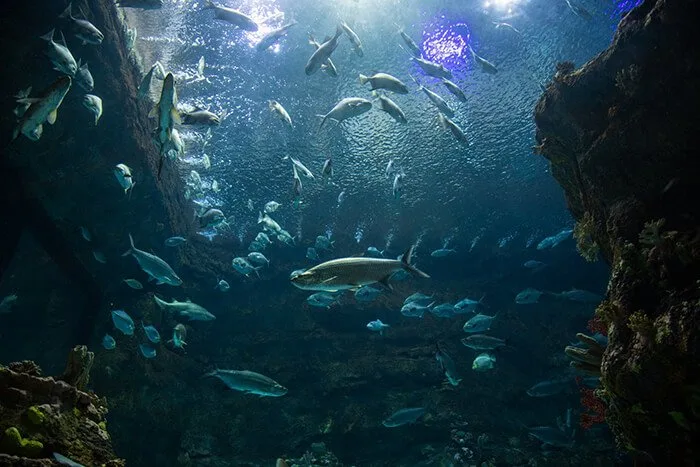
[[152, 265]]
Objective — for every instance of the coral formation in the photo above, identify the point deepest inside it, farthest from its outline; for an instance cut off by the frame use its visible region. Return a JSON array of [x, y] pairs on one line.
[[42, 415], [622, 159], [585, 244]]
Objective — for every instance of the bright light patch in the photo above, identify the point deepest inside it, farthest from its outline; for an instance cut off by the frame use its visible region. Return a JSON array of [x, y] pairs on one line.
[[446, 43], [268, 18], [501, 5]]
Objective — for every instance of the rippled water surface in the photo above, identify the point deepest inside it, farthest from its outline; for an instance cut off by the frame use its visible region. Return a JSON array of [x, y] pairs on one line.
[[495, 188]]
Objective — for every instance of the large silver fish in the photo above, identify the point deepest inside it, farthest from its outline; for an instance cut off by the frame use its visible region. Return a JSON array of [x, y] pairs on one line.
[[347, 108], [453, 128], [153, 266], [353, 273], [166, 110], [250, 382], [328, 66], [42, 109], [384, 81], [392, 108], [59, 54], [232, 16], [354, 39], [485, 65], [323, 53], [82, 28], [436, 70]]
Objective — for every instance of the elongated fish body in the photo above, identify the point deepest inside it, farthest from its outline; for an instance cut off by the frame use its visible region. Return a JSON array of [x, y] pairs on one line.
[[277, 109], [301, 167], [232, 16], [453, 128], [410, 44], [153, 266], [250, 382], [390, 107], [188, 310], [82, 29], [404, 416], [60, 56], [438, 102], [347, 108], [166, 110], [384, 81], [485, 65], [354, 39], [200, 117], [455, 90], [42, 109], [353, 273], [271, 37], [322, 53], [436, 70]]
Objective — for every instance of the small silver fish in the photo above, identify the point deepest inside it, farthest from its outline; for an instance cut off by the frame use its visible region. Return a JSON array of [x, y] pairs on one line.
[[134, 284], [277, 109], [93, 104]]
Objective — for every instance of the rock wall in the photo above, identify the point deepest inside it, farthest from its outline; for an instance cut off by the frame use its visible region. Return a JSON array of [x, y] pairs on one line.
[[620, 133]]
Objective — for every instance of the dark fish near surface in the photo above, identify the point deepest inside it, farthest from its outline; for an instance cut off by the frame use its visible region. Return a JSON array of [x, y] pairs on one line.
[[390, 107], [322, 53], [353, 273], [250, 382], [273, 36], [199, 117], [232, 16], [551, 387], [404, 416]]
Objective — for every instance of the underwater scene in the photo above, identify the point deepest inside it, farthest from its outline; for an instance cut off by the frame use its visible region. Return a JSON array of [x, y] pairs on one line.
[[340, 233]]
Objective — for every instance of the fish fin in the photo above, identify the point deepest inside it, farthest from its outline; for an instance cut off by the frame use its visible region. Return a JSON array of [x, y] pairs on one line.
[[328, 280], [15, 133], [67, 14], [52, 116], [363, 78], [385, 282], [63, 40], [406, 263], [131, 249], [175, 115], [48, 36], [154, 112]]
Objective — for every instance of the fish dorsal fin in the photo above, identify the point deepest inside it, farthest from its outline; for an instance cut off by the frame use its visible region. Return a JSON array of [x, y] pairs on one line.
[[63, 40]]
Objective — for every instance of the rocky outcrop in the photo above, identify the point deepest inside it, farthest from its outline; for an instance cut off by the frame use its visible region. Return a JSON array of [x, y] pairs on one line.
[[43, 415], [620, 135]]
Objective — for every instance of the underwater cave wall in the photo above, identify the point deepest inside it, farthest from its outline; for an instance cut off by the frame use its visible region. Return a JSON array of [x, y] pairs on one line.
[[65, 180], [620, 133]]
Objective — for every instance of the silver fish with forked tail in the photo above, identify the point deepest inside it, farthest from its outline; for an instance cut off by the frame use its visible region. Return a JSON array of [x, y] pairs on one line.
[[249, 382], [353, 273], [153, 266]]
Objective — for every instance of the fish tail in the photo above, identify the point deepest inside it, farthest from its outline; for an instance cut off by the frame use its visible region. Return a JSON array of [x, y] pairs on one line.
[[406, 264], [338, 31], [260, 217], [324, 118], [67, 14], [131, 249], [48, 36], [363, 79]]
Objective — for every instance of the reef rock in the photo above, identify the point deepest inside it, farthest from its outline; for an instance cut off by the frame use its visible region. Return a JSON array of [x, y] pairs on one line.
[[42, 415], [620, 133]]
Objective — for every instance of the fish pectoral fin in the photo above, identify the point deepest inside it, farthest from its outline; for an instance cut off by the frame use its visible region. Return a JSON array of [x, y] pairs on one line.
[[175, 115], [385, 282], [329, 280], [52, 117]]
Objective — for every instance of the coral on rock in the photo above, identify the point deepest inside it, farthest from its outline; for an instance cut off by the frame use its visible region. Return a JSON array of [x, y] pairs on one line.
[[619, 134], [42, 415]]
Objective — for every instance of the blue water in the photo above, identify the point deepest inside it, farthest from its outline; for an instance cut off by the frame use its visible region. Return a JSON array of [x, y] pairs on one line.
[[494, 188]]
